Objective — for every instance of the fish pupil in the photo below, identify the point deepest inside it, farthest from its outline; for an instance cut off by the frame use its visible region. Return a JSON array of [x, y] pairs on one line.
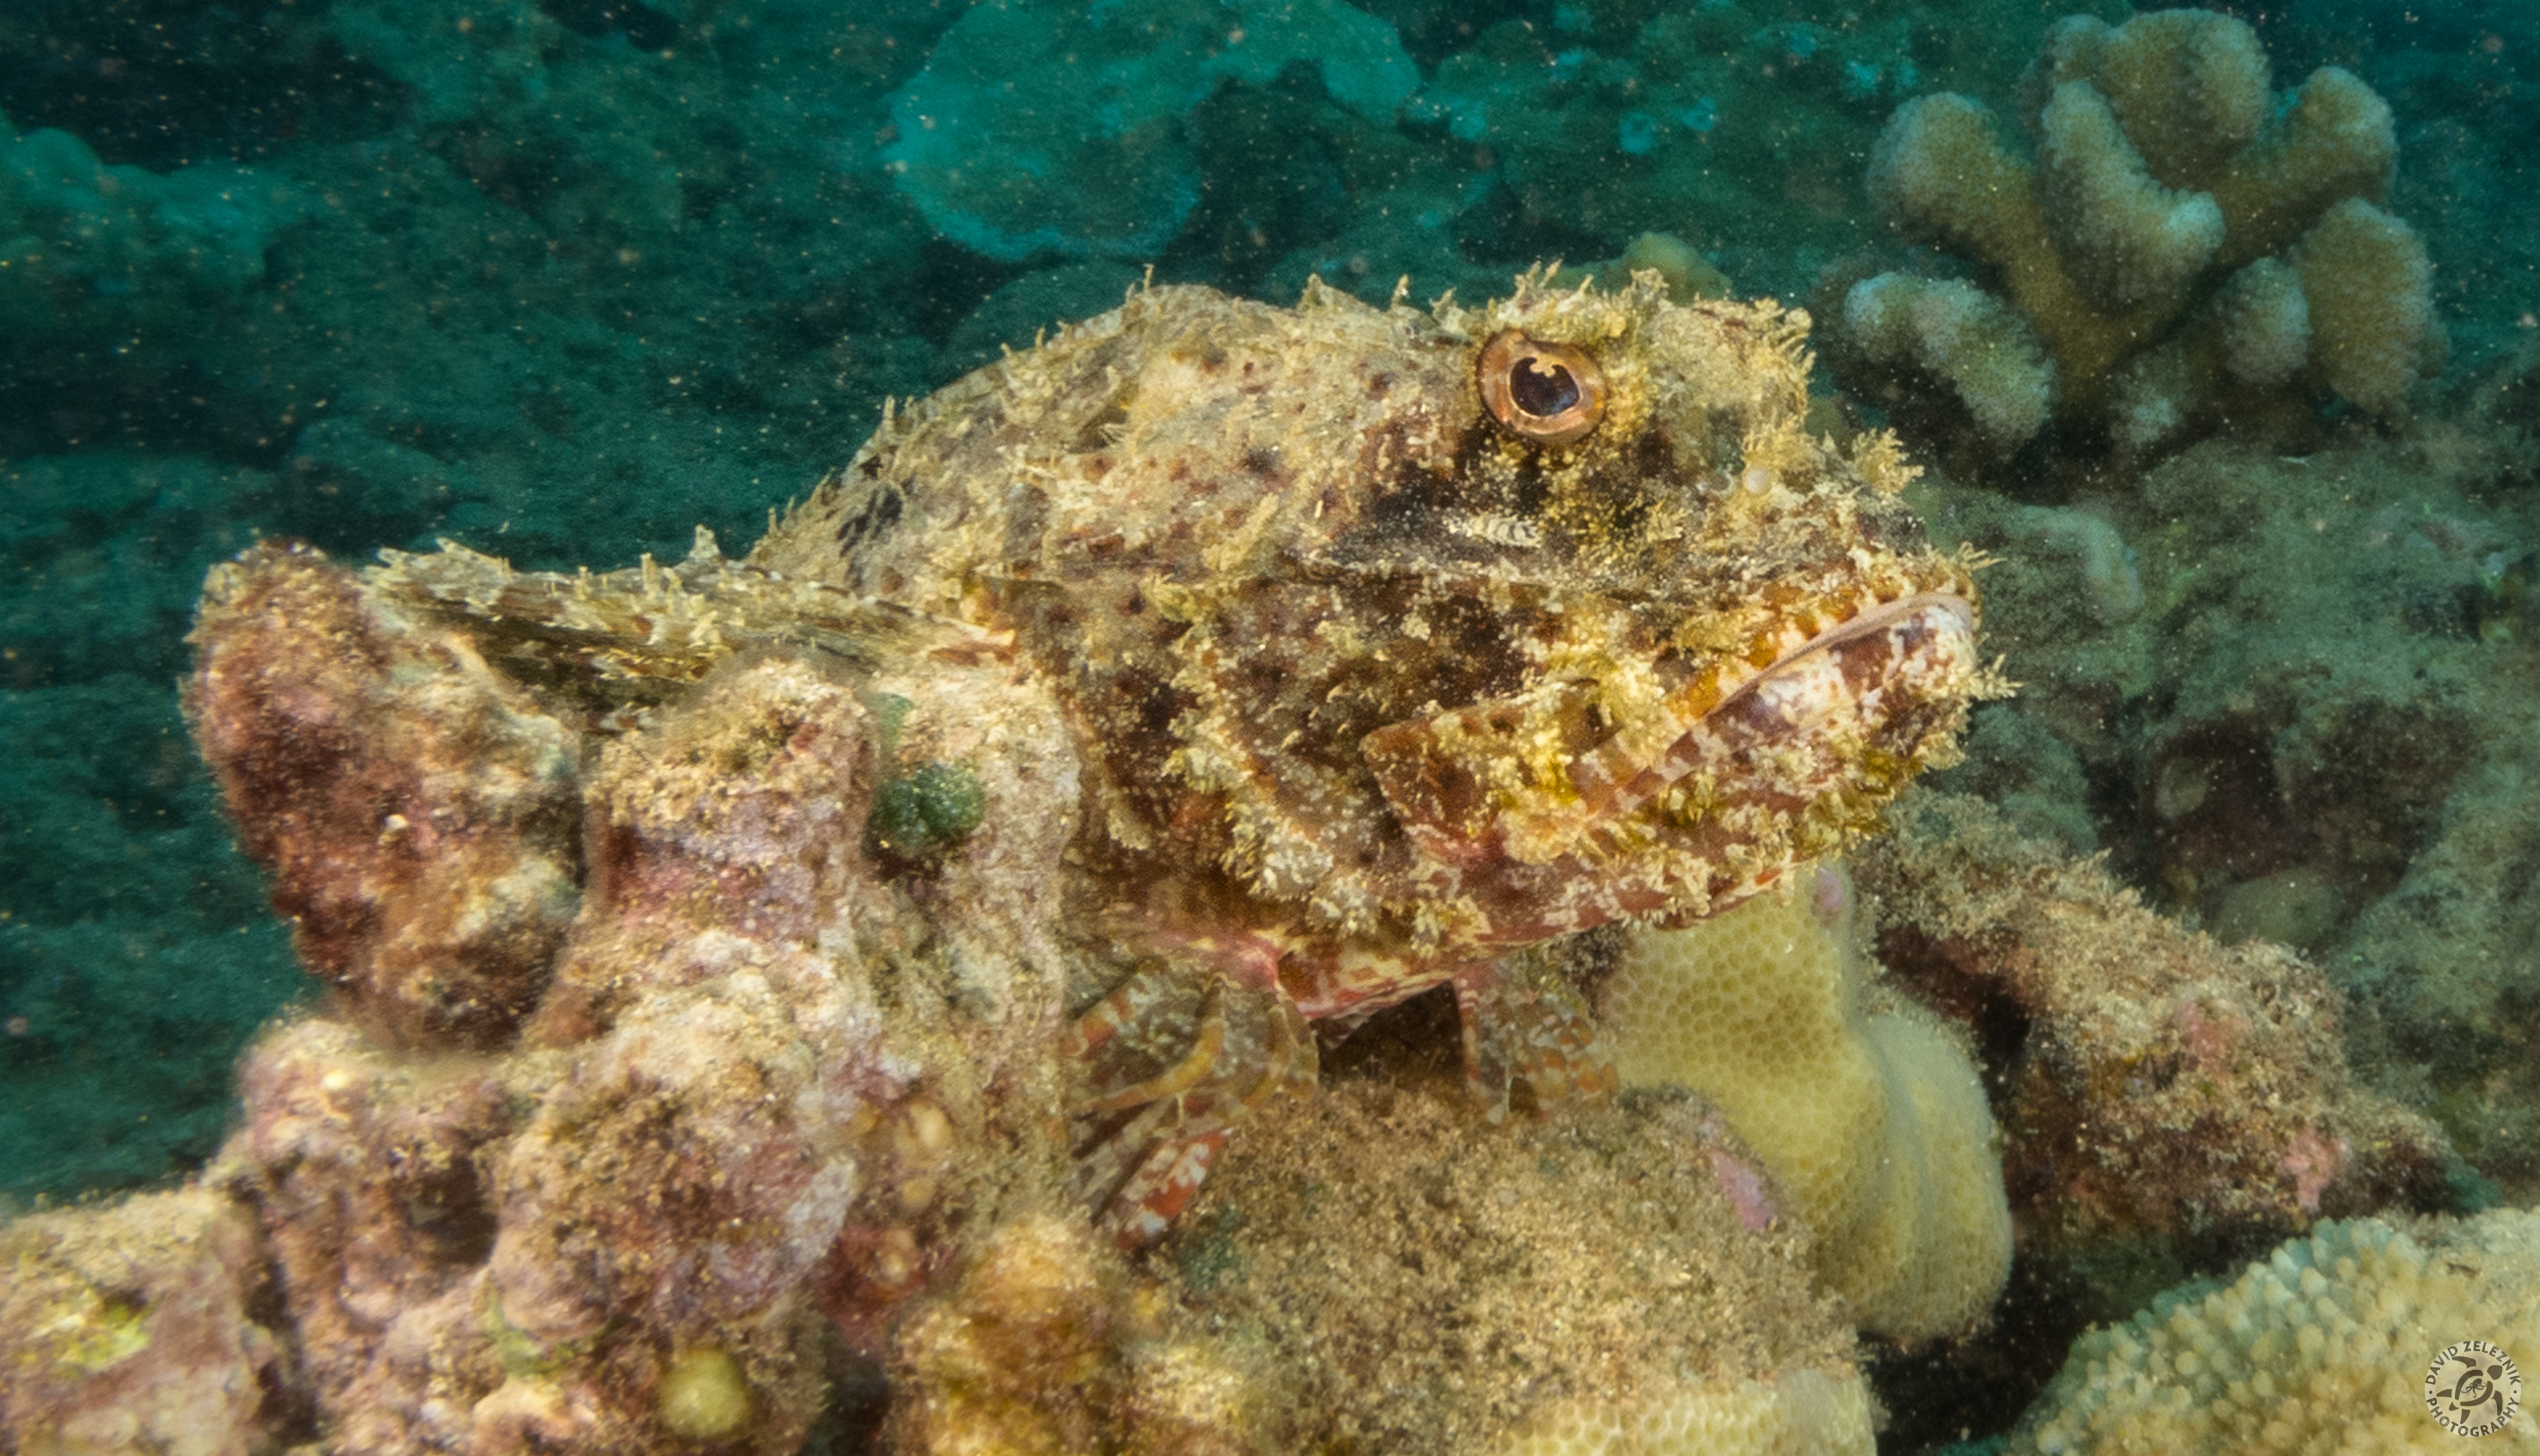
[[1541, 388]]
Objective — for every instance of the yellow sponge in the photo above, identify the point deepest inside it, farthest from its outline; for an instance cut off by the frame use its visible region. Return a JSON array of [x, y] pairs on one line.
[[1874, 1122]]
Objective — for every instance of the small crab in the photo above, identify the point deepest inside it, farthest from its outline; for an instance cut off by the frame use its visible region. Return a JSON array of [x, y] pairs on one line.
[[1396, 643]]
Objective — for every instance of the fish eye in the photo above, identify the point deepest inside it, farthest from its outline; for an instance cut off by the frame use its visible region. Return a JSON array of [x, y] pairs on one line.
[[1548, 393]]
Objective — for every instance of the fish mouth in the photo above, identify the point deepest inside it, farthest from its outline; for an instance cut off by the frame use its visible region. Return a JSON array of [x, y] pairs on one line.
[[1756, 761], [1802, 689]]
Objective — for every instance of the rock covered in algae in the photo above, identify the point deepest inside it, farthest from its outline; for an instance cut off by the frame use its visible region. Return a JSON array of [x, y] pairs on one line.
[[1381, 1269], [415, 809], [1399, 1276], [134, 1327], [2153, 1081], [760, 1093]]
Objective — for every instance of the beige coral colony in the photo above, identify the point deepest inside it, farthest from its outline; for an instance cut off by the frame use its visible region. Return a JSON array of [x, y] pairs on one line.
[[1259, 879], [2186, 243]]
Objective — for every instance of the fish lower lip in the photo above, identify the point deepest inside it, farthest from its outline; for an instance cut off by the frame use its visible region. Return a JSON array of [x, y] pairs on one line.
[[1849, 671]]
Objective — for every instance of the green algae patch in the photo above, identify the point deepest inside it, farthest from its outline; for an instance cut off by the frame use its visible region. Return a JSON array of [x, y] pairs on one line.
[[920, 813], [929, 811]]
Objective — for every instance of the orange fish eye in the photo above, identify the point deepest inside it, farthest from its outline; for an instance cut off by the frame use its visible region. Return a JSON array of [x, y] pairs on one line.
[[1548, 394]]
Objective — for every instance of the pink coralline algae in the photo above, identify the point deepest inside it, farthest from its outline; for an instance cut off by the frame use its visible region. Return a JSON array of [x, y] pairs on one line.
[[417, 811]]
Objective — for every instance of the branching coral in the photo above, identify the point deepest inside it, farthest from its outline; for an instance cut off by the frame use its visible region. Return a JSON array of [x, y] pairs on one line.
[[2183, 243]]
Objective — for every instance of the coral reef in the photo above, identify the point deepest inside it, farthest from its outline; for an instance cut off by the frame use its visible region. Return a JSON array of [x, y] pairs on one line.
[[1380, 1269], [1867, 1112], [2184, 244], [774, 1109], [2323, 1346], [562, 279], [456, 1252], [767, 1098], [2152, 1083], [2314, 727], [1800, 1414]]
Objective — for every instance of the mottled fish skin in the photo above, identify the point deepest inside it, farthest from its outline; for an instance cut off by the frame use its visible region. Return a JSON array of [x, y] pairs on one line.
[[1409, 678]]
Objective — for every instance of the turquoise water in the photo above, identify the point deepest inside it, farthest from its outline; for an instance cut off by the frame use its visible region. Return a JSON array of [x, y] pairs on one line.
[[562, 280]]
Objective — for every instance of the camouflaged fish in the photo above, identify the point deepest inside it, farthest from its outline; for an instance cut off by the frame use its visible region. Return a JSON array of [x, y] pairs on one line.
[[1397, 642]]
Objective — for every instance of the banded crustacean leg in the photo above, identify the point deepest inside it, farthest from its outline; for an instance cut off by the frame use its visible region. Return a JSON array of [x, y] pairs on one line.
[[1170, 1061], [1526, 1027], [1529, 1039]]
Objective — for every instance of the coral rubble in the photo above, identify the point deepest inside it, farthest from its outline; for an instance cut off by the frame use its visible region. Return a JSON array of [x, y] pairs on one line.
[[2183, 243]]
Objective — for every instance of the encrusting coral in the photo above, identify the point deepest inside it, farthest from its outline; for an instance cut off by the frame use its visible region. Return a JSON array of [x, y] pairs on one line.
[[2183, 243], [2323, 1347], [1867, 1110]]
